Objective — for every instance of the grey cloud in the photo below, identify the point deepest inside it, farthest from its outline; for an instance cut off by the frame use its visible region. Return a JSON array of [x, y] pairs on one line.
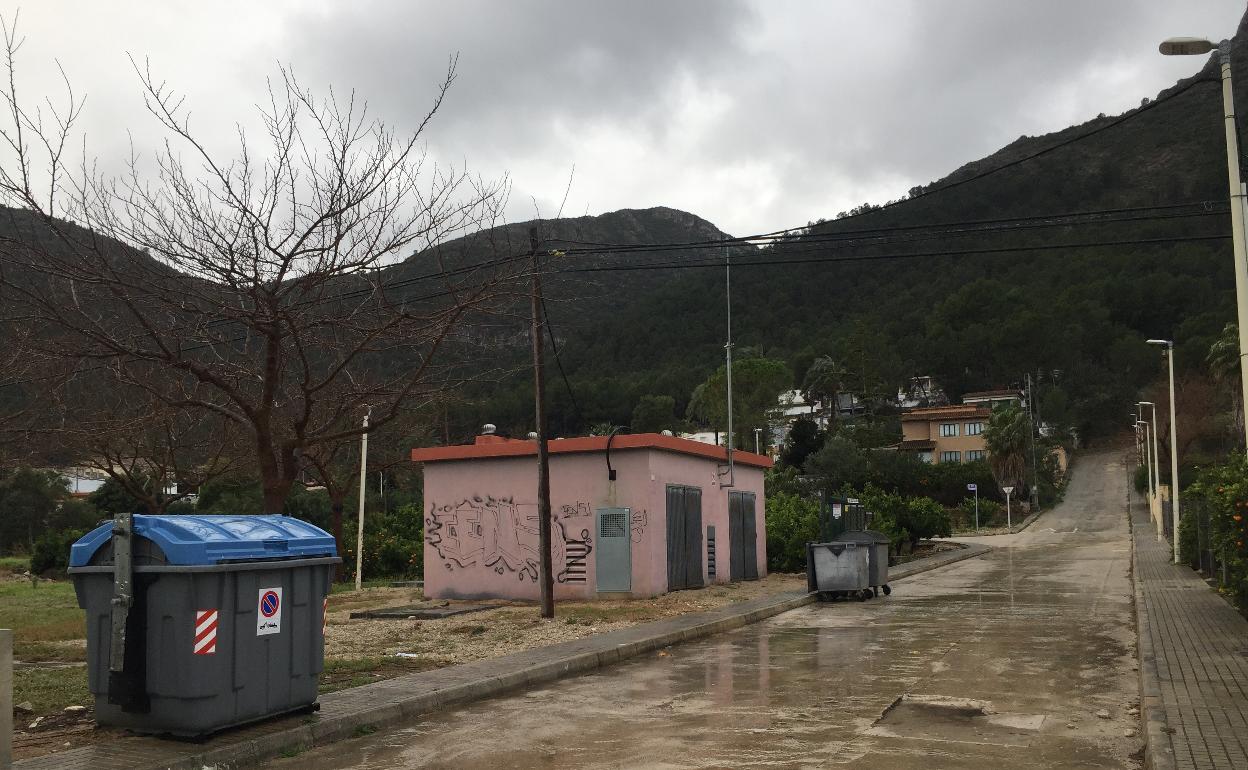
[[523, 64], [755, 114]]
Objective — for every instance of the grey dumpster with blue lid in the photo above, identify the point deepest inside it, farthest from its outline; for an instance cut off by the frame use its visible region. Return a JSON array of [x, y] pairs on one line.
[[198, 623]]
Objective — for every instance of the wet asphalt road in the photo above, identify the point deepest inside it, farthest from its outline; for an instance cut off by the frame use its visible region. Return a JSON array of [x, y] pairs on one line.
[[1001, 661]]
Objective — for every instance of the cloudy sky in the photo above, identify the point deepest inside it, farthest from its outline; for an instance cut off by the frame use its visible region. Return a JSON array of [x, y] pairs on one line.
[[755, 114]]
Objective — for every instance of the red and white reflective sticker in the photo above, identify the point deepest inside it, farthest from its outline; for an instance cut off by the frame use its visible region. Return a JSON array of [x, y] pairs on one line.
[[205, 632], [324, 616]]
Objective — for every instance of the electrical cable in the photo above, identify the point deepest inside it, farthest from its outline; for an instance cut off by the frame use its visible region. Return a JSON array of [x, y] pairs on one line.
[[554, 346], [777, 234], [867, 258]]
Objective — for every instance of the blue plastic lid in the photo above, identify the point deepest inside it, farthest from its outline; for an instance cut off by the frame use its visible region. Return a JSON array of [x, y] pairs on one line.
[[200, 540]]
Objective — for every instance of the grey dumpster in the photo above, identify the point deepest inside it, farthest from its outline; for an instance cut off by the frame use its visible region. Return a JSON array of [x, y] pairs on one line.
[[877, 544], [838, 569], [198, 623]]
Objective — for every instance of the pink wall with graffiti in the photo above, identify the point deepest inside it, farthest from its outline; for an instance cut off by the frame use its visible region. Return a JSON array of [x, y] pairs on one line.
[[481, 528]]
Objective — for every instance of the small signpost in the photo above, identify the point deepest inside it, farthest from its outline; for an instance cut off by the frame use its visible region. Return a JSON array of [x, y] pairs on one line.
[[1009, 522], [975, 488]]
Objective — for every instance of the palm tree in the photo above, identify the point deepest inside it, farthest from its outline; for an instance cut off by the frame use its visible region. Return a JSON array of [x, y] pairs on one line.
[[823, 383], [1007, 438]]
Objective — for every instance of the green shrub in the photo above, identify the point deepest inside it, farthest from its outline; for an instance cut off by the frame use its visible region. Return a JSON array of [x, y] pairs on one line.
[[393, 544], [924, 518], [888, 509], [991, 514], [1188, 534], [1222, 491], [51, 553], [906, 520], [792, 522]]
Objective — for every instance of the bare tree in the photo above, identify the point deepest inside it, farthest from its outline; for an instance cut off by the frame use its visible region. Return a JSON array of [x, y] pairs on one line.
[[1196, 413], [158, 454], [252, 288]]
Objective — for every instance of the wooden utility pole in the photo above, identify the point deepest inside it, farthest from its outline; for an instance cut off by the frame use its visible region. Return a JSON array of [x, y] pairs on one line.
[[543, 453]]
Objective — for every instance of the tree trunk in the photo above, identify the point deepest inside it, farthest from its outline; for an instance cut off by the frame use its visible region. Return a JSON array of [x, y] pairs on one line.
[[277, 475], [275, 493]]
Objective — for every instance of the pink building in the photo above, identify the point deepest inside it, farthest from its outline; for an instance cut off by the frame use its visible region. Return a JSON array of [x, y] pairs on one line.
[[635, 515]]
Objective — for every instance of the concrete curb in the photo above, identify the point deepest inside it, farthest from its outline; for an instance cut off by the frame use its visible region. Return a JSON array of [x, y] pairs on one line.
[[349, 713], [969, 551], [1024, 524], [1027, 522], [1159, 750]]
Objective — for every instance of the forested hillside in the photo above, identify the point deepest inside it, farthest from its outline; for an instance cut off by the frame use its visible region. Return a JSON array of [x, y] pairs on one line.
[[924, 286], [1057, 255]]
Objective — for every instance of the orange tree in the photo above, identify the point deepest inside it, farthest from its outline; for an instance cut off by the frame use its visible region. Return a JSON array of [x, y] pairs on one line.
[[1220, 493]]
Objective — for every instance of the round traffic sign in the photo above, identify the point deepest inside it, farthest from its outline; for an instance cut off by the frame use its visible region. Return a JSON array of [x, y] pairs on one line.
[[269, 604]]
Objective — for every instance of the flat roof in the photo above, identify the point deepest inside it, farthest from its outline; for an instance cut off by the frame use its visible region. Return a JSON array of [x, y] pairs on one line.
[[523, 448]]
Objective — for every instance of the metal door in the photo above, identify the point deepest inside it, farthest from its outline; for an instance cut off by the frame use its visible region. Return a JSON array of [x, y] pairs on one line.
[[749, 535], [684, 537], [736, 560], [742, 536], [614, 563], [693, 537]]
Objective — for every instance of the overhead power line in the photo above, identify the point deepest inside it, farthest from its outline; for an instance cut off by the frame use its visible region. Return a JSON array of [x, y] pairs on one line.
[[908, 255], [775, 235]]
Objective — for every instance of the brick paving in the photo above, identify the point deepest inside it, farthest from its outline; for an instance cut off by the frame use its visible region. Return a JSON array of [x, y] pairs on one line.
[[1194, 650]]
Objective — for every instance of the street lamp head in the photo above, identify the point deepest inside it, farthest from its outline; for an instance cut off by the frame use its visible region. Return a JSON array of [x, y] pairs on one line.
[[1186, 46], [1163, 343]]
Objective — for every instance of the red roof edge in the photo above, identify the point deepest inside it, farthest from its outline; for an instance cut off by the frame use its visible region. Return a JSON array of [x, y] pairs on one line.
[[589, 444]]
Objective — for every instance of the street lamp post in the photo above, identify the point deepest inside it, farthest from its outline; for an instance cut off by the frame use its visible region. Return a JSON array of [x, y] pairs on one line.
[[1174, 448], [757, 431], [1139, 439], [1190, 46], [1147, 465], [359, 531], [1156, 468]]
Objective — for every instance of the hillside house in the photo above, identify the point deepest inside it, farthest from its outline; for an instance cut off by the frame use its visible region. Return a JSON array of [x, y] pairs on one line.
[[945, 434], [632, 515]]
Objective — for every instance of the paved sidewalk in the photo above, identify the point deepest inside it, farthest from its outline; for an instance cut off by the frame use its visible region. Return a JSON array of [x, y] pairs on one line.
[[1194, 662], [359, 710]]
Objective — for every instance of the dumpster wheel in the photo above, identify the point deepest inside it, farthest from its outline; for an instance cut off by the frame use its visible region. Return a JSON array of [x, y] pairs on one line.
[[864, 594], [887, 590]]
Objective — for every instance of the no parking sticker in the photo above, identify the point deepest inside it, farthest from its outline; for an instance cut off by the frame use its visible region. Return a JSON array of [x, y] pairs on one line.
[[269, 611]]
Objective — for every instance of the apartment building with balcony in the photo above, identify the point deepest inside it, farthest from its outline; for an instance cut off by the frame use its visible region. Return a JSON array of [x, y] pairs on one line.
[[945, 434]]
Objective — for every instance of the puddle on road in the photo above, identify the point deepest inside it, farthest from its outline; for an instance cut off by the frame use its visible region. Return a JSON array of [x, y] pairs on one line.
[[946, 719]]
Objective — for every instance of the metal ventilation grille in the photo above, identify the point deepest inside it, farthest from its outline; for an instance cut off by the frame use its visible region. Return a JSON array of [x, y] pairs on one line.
[[613, 525]]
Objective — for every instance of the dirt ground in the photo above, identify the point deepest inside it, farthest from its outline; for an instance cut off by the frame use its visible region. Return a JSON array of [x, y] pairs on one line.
[[512, 628]]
